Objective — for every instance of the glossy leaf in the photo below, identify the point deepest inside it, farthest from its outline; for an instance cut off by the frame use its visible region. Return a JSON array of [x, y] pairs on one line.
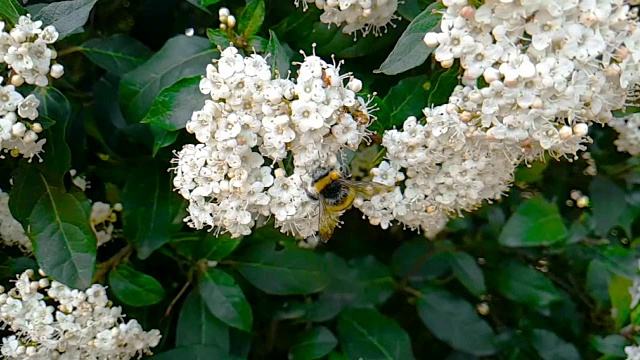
[[181, 56], [313, 344], [219, 37], [66, 16], [225, 300], [10, 11], [172, 108], [609, 203], [280, 60], [196, 352], [202, 4], [444, 86], [405, 99], [535, 223], [162, 138], [418, 261], [367, 334], [452, 319], [610, 345], [196, 325], [64, 244], [133, 287], [150, 210], [251, 18], [410, 50], [551, 347], [298, 271], [620, 300], [117, 54], [466, 269], [526, 286]]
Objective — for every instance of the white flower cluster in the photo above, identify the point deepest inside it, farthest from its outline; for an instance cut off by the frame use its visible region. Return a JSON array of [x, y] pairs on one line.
[[536, 75], [26, 51], [633, 352], [253, 123], [628, 129], [11, 232], [358, 15], [52, 321], [103, 216]]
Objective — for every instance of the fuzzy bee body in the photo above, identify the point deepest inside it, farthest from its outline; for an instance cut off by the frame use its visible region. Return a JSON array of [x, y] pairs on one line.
[[336, 195]]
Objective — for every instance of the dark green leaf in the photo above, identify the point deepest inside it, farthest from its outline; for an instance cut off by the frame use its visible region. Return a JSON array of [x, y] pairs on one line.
[[133, 287], [313, 344], [535, 223], [551, 347], [609, 203], [367, 334], [279, 60], [417, 261], [181, 56], [410, 50], [297, 271], [620, 300], [219, 37], [66, 16], [526, 286], [251, 18], [151, 209], [195, 352], [531, 173], [409, 9], [468, 272], [218, 247], [202, 4], [452, 320], [173, 107], [406, 98], [225, 299], [26, 192], [257, 43], [610, 345], [162, 138], [444, 86], [10, 11], [598, 279], [117, 54], [64, 244], [196, 325]]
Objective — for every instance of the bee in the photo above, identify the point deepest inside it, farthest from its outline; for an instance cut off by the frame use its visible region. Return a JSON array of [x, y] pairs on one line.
[[336, 195]]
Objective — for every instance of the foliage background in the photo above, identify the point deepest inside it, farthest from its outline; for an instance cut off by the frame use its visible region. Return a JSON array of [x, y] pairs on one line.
[[531, 276]]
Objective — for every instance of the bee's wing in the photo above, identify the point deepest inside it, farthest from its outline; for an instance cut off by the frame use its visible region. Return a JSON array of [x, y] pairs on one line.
[[328, 220], [366, 189]]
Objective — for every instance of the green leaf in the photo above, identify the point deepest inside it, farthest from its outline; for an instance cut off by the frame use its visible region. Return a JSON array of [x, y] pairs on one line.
[[225, 299], [418, 262], [598, 280], [162, 138], [452, 320], [118, 54], [181, 56], [173, 107], [195, 352], [367, 334], [257, 43], [280, 60], [10, 11], [410, 50], [444, 86], [313, 344], [531, 173], [66, 16], [135, 288], [551, 347], [196, 325], [409, 9], [251, 18], [620, 300], [64, 244], [297, 271], [524, 285], [219, 38], [608, 202], [202, 4], [468, 272], [406, 98], [218, 247], [535, 223], [610, 345], [151, 209]]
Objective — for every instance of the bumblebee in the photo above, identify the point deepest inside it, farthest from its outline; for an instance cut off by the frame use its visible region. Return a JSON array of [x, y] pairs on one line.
[[336, 195]]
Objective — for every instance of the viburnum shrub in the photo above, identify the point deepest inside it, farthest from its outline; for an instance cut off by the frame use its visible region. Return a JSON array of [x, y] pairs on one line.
[[319, 179]]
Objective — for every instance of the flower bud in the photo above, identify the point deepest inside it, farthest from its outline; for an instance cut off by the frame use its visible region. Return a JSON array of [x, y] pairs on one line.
[[57, 71], [37, 128], [431, 39], [17, 80], [355, 85], [30, 136], [231, 21], [565, 132], [117, 207], [18, 129], [224, 12], [580, 129]]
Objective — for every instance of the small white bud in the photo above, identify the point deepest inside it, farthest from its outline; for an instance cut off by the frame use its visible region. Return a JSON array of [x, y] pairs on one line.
[[223, 27], [224, 12], [37, 128], [17, 80], [117, 207], [431, 39], [44, 283], [581, 129], [18, 129], [583, 201], [565, 132], [41, 272], [189, 31], [355, 85], [231, 21], [57, 71], [491, 74], [279, 172], [30, 136]]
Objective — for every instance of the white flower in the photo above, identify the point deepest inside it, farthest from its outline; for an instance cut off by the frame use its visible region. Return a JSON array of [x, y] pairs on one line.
[[28, 107]]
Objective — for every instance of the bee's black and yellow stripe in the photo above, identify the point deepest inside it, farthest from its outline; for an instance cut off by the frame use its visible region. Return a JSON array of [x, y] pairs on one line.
[[336, 194]]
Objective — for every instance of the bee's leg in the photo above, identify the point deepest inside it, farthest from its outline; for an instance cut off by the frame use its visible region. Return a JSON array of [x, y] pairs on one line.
[[311, 195]]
